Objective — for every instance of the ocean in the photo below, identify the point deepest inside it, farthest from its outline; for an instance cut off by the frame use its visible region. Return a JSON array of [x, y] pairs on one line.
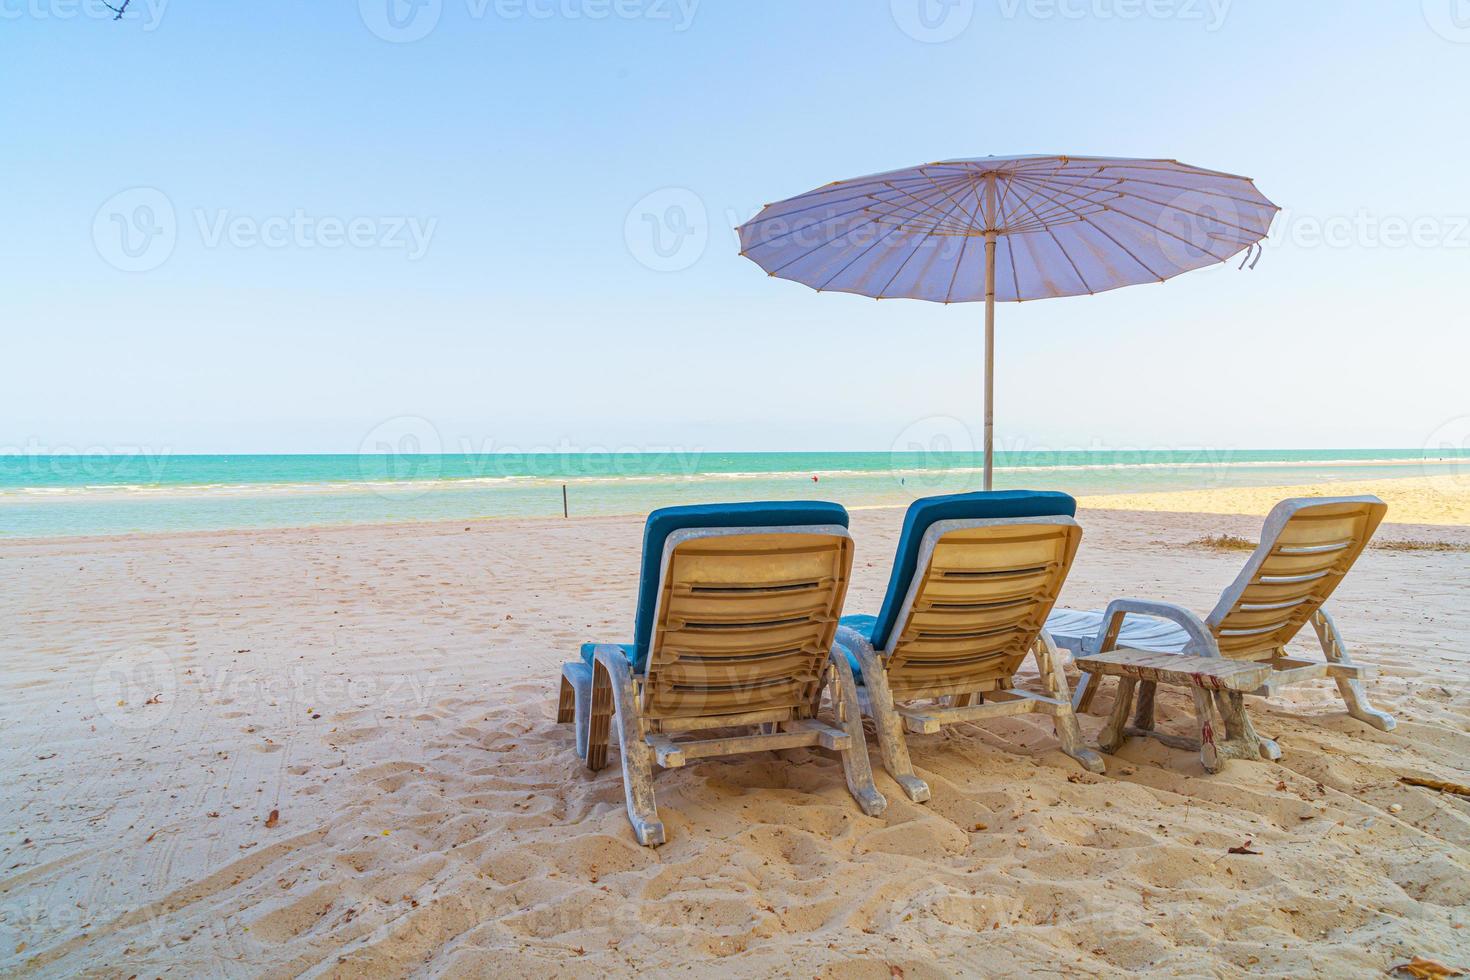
[[141, 492]]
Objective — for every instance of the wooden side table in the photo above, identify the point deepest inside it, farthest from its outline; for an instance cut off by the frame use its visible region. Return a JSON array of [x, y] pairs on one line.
[[1217, 683]]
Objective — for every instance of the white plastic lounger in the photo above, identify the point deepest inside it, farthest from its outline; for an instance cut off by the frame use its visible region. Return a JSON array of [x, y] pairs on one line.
[[737, 608], [973, 580], [1307, 546]]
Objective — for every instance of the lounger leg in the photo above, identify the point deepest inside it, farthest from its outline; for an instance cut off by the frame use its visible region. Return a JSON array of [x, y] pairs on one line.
[[599, 720], [855, 764], [1049, 666], [1238, 727], [891, 743], [566, 702], [612, 679], [1085, 692], [1111, 738], [575, 704], [1351, 689]]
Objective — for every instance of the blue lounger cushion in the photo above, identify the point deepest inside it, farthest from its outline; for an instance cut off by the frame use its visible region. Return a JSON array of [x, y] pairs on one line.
[[981, 505], [666, 520]]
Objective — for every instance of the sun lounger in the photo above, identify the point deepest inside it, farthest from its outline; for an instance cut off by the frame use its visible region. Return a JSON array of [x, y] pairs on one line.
[[1307, 546], [737, 607], [973, 580]]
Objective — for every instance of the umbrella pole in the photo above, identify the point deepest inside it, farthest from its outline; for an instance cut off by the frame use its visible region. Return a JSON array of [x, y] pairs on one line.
[[989, 356]]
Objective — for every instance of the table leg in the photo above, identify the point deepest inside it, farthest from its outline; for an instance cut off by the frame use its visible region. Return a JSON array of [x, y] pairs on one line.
[[1209, 755], [1143, 717], [1238, 728]]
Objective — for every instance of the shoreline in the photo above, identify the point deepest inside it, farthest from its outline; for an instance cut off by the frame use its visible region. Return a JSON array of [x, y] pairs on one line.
[[1441, 501], [166, 491]]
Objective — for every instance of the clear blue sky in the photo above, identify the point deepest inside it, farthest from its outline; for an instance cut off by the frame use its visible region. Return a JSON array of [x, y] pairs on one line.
[[520, 136]]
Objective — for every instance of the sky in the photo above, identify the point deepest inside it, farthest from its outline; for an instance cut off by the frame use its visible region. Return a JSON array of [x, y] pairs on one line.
[[507, 224]]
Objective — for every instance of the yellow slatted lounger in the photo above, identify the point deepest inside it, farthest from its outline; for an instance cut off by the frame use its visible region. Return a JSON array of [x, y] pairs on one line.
[[1307, 546], [973, 580], [737, 607]]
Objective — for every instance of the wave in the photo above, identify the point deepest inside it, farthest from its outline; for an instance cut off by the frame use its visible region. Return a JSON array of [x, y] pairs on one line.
[[420, 485]]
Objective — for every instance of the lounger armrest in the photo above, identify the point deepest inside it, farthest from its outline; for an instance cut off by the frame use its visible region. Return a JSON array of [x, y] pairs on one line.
[[853, 640], [1064, 656], [1201, 641]]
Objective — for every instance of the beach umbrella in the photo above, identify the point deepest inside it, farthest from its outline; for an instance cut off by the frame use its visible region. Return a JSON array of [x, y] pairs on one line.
[[1008, 229]]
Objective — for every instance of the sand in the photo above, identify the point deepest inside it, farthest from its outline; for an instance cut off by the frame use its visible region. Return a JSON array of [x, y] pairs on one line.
[[1441, 499], [388, 694]]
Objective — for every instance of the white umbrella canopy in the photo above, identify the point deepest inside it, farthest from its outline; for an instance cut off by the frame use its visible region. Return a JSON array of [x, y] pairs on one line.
[[1008, 229]]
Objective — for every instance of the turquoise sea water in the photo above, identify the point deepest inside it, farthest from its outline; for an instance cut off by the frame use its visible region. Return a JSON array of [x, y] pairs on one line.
[[46, 495]]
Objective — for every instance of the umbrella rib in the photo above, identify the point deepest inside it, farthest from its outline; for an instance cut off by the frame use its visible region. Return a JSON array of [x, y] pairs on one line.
[[1016, 276], [867, 198], [823, 244], [1010, 191], [1100, 164], [1047, 216], [1158, 228], [1044, 216], [1058, 163], [829, 202], [929, 205], [948, 293], [917, 245], [1036, 182], [1060, 247], [1000, 201], [1177, 187], [972, 217], [943, 224], [921, 220], [1124, 248], [876, 242], [1172, 207]]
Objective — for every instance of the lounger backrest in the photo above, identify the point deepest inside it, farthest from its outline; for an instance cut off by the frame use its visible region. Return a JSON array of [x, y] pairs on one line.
[[922, 513], [667, 520], [1307, 546], [980, 596], [744, 620]]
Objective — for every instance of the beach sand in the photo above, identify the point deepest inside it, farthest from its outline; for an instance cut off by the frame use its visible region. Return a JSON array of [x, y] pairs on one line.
[[1441, 499], [351, 767]]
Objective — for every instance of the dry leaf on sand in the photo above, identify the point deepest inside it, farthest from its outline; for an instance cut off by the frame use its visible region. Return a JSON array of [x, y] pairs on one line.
[[1426, 969]]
